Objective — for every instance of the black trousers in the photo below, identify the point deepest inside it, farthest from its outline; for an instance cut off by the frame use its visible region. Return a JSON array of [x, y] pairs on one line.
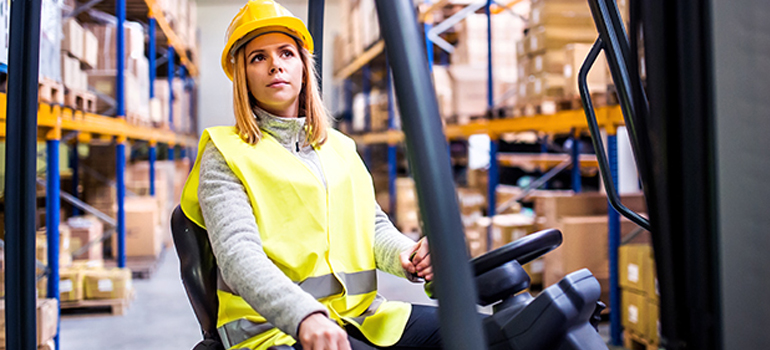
[[421, 332]]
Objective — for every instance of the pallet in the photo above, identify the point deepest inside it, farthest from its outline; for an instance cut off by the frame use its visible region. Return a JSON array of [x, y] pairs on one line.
[[633, 341], [49, 91], [114, 307], [80, 100]]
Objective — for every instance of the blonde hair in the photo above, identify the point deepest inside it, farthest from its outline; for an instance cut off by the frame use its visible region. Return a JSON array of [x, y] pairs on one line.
[[310, 103]]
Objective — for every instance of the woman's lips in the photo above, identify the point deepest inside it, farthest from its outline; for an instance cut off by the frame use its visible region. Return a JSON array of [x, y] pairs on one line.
[[278, 84]]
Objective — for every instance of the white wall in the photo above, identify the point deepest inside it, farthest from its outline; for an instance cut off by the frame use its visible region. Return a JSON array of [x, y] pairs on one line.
[[215, 97]]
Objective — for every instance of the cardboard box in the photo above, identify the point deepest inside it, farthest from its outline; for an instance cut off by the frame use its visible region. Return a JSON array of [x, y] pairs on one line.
[[476, 240], [47, 315], [469, 88], [584, 246], [70, 284], [653, 321], [107, 284], [72, 42], [551, 205], [47, 319], [90, 48], [544, 38], [546, 85], [562, 13], [634, 311], [598, 77], [636, 269], [84, 229], [49, 345], [143, 235], [507, 228]]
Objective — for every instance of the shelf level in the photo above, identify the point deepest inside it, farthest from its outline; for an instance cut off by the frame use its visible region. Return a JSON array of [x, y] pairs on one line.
[[561, 122], [53, 120]]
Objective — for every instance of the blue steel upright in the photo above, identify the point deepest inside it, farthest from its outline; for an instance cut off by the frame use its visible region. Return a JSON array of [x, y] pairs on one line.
[[171, 87], [493, 172], [171, 150], [366, 83], [428, 45], [577, 186], [121, 147], [614, 243], [121, 185], [151, 53], [120, 12], [392, 159], [153, 157], [52, 206]]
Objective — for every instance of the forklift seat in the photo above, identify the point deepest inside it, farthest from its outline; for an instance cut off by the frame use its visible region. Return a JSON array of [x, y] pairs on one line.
[[198, 268]]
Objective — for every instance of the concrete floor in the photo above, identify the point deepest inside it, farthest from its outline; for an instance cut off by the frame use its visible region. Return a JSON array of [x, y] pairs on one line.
[[161, 318]]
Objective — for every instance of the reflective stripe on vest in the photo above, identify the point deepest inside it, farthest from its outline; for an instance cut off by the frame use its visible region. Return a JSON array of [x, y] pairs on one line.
[[361, 282], [320, 287], [240, 330]]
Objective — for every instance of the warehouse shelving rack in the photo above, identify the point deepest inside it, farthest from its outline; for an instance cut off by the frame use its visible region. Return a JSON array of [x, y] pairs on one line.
[[570, 122], [56, 123]]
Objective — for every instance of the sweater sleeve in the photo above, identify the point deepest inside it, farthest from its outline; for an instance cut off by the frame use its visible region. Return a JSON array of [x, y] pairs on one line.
[[236, 244], [388, 244]]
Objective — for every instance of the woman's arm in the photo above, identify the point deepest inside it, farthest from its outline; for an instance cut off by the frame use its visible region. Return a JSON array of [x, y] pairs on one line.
[[236, 243], [388, 244]]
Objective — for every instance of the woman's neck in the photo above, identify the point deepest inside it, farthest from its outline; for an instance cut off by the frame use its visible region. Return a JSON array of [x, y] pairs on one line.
[[292, 111]]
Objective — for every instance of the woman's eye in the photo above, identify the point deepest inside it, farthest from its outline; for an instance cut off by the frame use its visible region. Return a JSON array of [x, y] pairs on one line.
[[258, 58], [287, 53]]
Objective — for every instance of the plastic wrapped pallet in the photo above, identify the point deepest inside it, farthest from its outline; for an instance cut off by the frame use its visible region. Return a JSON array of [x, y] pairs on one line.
[[70, 284], [4, 25], [50, 40]]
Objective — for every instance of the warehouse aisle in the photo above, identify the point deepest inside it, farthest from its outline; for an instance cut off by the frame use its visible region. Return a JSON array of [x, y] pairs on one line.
[[159, 318]]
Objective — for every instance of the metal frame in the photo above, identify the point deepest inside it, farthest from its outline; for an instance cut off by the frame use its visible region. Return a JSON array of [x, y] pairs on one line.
[[21, 158], [430, 164]]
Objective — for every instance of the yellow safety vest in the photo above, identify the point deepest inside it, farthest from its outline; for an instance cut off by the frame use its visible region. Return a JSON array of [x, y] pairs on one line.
[[322, 239]]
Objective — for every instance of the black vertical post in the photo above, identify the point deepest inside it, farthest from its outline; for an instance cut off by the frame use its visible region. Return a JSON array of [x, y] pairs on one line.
[[21, 156], [315, 22], [432, 171]]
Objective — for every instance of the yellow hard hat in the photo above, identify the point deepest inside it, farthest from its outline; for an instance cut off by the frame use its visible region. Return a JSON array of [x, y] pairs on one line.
[[256, 15]]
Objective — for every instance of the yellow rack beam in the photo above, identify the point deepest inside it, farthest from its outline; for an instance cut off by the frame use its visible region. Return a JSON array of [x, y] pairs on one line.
[[562, 122], [173, 39], [52, 120]]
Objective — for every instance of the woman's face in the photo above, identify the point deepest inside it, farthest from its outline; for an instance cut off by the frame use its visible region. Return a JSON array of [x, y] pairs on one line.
[[274, 73]]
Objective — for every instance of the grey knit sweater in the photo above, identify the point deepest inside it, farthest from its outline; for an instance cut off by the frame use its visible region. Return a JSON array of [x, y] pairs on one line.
[[243, 265]]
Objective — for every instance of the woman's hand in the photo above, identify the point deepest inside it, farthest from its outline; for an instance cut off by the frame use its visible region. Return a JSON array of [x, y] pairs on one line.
[[416, 260], [318, 332]]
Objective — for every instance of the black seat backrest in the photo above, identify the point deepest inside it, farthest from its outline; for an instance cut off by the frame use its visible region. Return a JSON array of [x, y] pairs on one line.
[[198, 269]]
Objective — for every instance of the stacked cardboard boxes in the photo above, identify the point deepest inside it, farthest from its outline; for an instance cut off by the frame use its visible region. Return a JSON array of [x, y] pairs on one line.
[[407, 207], [143, 233], [582, 219], [551, 53], [360, 30], [85, 230], [90, 280], [639, 292], [472, 203], [136, 71]]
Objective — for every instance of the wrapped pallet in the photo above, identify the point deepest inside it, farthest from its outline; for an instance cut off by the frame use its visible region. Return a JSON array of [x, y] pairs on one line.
[[50, 40], [107, 284], [4, 25]]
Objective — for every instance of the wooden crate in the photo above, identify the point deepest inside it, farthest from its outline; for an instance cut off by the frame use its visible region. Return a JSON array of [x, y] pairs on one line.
[[80, 100]]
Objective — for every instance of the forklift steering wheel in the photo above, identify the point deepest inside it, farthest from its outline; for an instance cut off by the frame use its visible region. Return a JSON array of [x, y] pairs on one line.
[[523, 250]]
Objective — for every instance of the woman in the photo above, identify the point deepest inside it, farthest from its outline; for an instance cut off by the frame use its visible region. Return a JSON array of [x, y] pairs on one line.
[[290, 209]]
